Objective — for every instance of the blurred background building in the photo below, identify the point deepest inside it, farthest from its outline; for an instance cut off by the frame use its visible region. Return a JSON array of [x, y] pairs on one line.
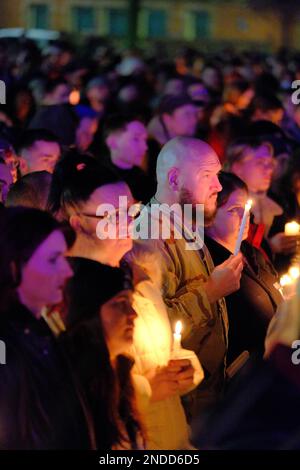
[[242, 23]]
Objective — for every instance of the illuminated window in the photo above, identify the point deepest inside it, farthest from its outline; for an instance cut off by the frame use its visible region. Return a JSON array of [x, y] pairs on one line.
[[39, 16], [83, 19], [118, 22], [242, 24], [157, 23], [202, 24]]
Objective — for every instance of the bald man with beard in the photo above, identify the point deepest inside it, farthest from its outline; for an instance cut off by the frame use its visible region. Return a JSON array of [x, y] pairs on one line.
[[193, 289]]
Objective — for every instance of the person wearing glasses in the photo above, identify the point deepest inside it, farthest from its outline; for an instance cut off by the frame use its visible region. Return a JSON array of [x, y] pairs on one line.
[[88, 197], [252, 160]]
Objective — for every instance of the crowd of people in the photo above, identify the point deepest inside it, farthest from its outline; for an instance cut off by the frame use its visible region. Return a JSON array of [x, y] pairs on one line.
[[88, 320]]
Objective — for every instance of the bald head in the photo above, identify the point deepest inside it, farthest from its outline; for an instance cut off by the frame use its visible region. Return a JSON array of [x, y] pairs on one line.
[[187, 172], [181, 152]]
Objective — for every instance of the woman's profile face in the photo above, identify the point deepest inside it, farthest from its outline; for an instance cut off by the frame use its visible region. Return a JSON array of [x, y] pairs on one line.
[[117, 316], [228, 219], [45, 274]]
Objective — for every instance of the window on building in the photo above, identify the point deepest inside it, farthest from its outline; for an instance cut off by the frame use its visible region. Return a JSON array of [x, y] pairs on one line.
[[202, 24], [242, 24], [157, 23], [39, 16], [118, 22], [83, 19]]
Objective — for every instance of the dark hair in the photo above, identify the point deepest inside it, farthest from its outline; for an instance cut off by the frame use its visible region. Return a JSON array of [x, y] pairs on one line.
[[22, 230], [76, 176], [30, 136], [51, 84], [230, 183], [5, 144], [265, 103], [109, 392], [31, 190], [118, 123], [2, 162], [169, 103]]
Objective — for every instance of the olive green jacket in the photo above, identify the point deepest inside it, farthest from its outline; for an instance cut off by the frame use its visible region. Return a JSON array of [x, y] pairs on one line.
[[205, 326]]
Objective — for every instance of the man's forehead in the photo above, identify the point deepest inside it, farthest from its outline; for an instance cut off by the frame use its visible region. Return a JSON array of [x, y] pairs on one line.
[[237, 197], [41, 144], [136, 126], [186, 108], [263, 151], [209, 161]]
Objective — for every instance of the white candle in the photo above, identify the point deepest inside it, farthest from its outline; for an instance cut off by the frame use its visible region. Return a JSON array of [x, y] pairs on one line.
[[288, 286], [291, 228], [294, 272], [177, 336], [248, 206]]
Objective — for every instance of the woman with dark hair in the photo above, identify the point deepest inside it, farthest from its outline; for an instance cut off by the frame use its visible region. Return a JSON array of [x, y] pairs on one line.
[[253, 305], [41, 405], [76, 176], [79, 188], [101, 321]]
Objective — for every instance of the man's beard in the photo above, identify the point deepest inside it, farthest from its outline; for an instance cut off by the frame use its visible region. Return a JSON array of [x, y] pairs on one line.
[[186, 197]]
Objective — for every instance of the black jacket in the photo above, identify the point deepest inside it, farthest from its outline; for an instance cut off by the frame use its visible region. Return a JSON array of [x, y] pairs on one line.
[[41, 405], [262, 412], [253, 305]]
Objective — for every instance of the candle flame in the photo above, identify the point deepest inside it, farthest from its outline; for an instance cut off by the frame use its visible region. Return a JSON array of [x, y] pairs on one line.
[[286, 280], [178, 328], [248, 204], [294, 272]]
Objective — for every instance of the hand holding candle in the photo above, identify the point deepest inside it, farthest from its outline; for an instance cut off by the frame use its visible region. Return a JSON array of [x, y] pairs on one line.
[[248, 206]]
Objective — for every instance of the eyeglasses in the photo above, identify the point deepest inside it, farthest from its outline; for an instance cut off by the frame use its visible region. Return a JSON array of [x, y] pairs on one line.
[[119, 214]]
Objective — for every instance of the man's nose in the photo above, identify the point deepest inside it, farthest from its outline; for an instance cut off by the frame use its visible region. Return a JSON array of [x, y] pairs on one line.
[[132, 313], [66, 269], [217, 185], [145, 145]]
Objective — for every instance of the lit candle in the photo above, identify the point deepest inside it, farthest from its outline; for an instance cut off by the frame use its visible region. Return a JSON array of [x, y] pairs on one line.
[[288, 286], [294, 272], [248, 206], [177, 336], [291, 228]]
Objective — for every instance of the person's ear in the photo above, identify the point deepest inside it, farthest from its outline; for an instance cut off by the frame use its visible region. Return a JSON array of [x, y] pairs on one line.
[[111, 141], [167, 118], [23, 166], [75, 223], [173, 179]]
